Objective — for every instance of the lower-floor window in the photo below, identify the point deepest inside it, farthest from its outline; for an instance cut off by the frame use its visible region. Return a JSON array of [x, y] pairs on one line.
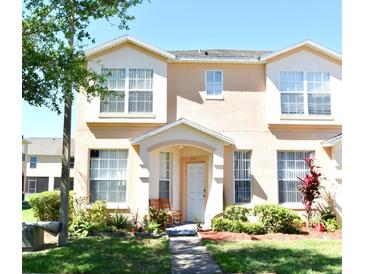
[[291, 165], [57, 183], [242, 176], [108, 175], [36, 184], [165, 175]]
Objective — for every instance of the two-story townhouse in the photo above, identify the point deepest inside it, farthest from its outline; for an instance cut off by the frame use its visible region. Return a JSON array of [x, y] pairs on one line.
[[44, 164], [205, 128]]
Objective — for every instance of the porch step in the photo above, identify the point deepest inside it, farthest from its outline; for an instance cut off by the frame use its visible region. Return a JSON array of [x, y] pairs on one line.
[[182, 230]]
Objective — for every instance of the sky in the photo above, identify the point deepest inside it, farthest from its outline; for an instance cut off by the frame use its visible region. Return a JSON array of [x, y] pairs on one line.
[[209, 24]]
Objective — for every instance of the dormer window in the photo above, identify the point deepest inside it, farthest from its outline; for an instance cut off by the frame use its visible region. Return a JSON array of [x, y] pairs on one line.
[[214, 83], [132, 88]]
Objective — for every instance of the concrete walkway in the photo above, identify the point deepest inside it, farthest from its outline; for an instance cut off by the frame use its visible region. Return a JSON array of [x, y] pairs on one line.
[[188, 255]]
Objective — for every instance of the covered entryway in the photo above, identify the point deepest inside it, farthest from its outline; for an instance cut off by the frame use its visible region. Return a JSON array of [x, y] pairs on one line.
[[183, 162]]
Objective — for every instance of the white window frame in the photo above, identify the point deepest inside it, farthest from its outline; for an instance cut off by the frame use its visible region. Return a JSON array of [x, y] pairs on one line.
[[149, 90], [127, 90], [290, 204], [213, 97], [305, 93], [30, 161], [115, 90], [112, 205], [234, 179], [170, 173]]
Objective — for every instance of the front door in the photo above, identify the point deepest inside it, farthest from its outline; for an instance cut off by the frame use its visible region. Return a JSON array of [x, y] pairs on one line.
[[195, 204]]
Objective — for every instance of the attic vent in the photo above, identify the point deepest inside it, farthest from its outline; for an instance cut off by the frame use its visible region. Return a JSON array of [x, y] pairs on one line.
[[206, 53]]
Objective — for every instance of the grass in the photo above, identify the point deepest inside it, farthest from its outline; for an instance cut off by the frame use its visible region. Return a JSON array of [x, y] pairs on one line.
[[102, 255], [290, 256]]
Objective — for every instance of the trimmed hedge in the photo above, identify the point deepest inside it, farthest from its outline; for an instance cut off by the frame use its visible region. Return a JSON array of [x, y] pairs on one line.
[[277, 218], [236, 213], [223, 224], [46, 205]]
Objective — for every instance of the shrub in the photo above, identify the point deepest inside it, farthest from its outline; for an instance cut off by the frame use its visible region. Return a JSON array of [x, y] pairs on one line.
[[46, 205], [236, 213], [159, 216], [86, 221], [277, 218], [223, 224]]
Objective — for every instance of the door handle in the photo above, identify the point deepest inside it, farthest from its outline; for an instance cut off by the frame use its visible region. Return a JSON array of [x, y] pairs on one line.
[[204, 192]]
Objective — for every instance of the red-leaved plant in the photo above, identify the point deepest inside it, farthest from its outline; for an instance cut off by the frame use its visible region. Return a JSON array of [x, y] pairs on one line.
[[309, 186]]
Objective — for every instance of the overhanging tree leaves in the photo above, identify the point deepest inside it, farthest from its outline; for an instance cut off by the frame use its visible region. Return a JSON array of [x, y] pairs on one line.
[[54, 64]]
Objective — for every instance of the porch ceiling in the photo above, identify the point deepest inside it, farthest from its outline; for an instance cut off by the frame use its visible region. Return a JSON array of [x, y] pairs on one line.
[[184, 121]]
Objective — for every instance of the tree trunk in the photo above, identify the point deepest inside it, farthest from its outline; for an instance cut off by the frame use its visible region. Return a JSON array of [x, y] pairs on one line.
[[65, 176]]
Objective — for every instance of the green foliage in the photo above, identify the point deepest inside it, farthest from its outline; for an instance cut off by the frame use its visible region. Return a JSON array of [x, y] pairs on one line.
[[119, 221], [153, 227], [277, 218], [331, 225], [55, 33], [326, 206], [223, 224], [159, 216], [236, 213], [46, 205], [86, 221]]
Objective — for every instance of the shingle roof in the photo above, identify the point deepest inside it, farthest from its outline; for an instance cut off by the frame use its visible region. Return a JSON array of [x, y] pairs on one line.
[[47, 146], [220, 53]]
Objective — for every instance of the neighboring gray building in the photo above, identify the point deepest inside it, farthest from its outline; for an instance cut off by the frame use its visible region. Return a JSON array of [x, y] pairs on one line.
[[44, 163]]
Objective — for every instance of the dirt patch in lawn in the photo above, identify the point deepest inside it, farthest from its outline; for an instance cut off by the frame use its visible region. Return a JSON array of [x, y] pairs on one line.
[[305, 235]]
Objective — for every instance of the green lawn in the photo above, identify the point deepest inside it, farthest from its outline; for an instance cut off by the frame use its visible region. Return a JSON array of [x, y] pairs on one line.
[[290, 256], [102, 255]]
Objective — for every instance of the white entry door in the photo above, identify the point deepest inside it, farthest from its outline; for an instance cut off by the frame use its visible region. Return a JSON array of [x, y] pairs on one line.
[[195, 204]]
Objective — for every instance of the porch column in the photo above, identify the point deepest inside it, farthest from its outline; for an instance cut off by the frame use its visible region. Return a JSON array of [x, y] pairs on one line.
[[215, 198], [144, 175]]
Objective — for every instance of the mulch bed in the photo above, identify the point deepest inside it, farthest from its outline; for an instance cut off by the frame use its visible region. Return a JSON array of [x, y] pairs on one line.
[[305, 235]]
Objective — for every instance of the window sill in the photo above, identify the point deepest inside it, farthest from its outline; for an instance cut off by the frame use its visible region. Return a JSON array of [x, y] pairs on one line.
[[126, 115], [306, 117], [214, 97]]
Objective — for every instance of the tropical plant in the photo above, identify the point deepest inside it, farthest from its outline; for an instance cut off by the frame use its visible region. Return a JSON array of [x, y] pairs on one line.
[[153, 227], [159, 216], [118, 221], [309, 186], [55, 33], [325, 206]]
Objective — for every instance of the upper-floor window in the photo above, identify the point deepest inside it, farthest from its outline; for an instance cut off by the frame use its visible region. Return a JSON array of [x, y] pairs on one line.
[[133, 90], [214, 82], [116, 83], [33, 162], [242, 176], [305, 93], [140, 90]]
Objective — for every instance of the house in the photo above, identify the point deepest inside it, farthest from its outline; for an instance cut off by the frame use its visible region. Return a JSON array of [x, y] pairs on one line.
[[205, 128], [25, 144], [44, 163], [334, 149]]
